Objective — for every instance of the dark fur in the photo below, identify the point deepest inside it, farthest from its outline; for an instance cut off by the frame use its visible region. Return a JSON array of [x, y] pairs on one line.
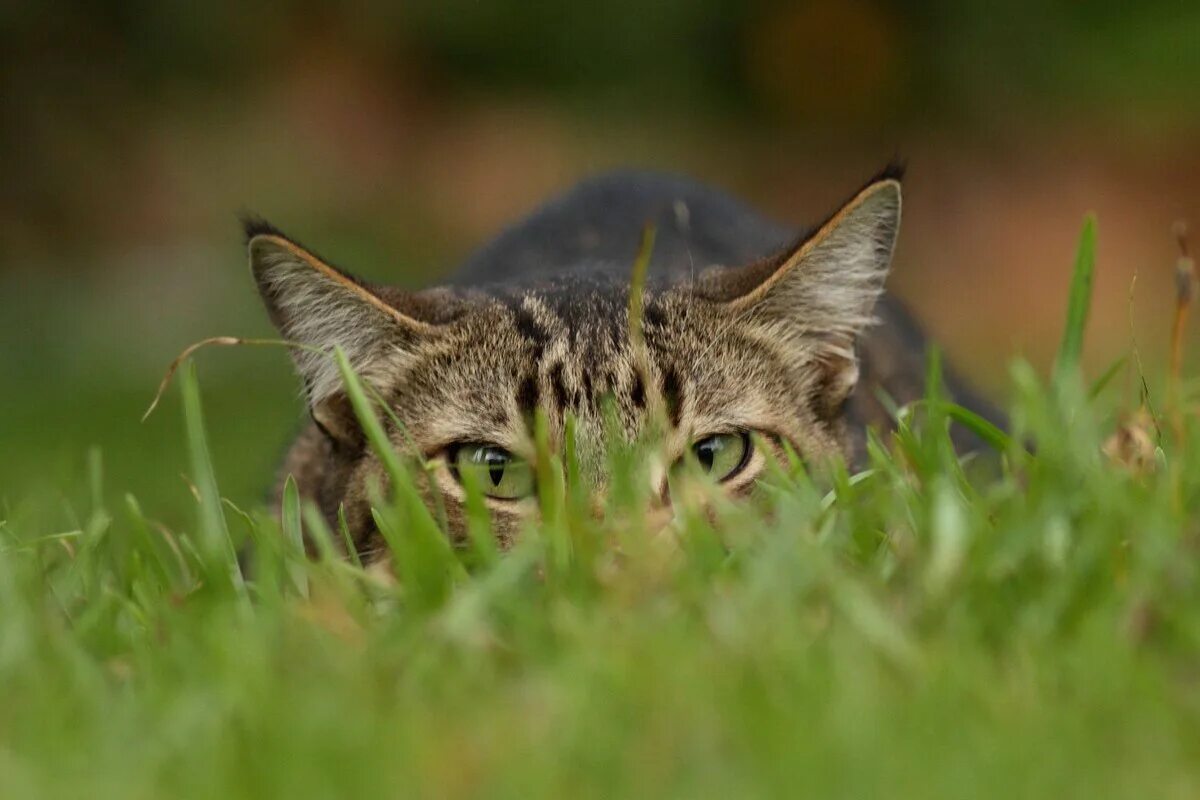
[[598, 224]]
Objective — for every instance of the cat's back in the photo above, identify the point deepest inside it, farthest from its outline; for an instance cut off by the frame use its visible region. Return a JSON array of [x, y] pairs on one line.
[[597, 227]]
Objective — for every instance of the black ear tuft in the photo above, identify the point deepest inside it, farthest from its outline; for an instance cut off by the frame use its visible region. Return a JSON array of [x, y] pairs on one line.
[[892, 171], [254, 225]]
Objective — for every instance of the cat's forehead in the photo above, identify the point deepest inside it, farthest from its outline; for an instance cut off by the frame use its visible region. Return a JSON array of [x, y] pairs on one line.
[[591, 312], [563, 346]]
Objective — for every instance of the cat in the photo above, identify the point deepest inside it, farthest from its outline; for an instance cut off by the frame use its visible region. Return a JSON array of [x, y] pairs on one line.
[[746, 328]]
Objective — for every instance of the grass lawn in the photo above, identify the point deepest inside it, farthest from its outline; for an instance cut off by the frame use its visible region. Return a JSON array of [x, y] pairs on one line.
[[1024, 624]]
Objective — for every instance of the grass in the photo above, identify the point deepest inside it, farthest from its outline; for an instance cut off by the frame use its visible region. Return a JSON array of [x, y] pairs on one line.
[[923, 628]]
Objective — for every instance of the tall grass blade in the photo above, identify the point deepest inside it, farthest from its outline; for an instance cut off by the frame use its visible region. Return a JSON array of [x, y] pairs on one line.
[[1079, 302], [214, 544], [1100, 384], [422, 550], [990, 434], [293, 532]]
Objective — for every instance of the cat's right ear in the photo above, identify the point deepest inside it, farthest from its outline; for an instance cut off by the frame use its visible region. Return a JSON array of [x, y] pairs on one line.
[[313, 303], [820, 294]]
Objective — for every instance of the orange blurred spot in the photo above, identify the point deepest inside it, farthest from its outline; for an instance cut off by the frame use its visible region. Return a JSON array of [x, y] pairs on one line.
[[826, 58]]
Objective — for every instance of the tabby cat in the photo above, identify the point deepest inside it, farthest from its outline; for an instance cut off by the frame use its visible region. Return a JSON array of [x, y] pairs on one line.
[[747, 328]]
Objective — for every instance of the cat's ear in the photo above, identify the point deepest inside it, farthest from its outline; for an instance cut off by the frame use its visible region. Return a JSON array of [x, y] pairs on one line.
[[313, 303], [822, 292]]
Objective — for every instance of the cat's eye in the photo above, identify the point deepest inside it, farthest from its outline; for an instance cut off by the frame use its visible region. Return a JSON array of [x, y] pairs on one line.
[[722, 455], [497, 472]]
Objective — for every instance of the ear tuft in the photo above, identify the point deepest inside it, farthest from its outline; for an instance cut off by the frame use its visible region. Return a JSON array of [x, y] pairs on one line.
[[254, 225], [892, 171]]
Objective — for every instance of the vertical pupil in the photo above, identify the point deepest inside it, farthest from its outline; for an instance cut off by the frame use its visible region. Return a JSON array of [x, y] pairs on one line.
[[495, 461], [706, 452]]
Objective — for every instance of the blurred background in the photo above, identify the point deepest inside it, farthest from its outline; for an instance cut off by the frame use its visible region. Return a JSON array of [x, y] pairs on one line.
[[396, 137]]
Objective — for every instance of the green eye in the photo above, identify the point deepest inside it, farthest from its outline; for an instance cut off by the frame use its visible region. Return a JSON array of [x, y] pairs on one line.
[[497, 472], [722, 455]]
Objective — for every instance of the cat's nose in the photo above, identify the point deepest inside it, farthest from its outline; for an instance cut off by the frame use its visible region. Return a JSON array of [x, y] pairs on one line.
[[658, 519], [659, 512], [660, 489]]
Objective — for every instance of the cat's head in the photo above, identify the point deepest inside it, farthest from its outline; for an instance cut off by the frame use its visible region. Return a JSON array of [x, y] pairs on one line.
[[766, 348]]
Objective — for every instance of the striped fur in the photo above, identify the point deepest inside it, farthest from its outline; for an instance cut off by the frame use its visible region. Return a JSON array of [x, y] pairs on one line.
[[746, 328]]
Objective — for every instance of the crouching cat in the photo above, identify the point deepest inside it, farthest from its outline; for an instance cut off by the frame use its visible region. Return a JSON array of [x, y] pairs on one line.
[[747, 328]]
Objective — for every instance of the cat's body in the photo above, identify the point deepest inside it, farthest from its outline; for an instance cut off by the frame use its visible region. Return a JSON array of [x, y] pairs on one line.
[[749, 327]]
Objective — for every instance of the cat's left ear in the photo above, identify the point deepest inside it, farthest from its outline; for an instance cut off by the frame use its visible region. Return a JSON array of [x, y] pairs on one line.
[[316, 305], [821, 293]]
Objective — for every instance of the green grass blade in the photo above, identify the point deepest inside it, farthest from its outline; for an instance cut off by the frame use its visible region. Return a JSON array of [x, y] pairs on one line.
[[993, 436], [1079, 302], [1100, 384], [293, 532], [347, 540], [215, 545], [431, 563], [637, 286], [376, 436], [479, 523]]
